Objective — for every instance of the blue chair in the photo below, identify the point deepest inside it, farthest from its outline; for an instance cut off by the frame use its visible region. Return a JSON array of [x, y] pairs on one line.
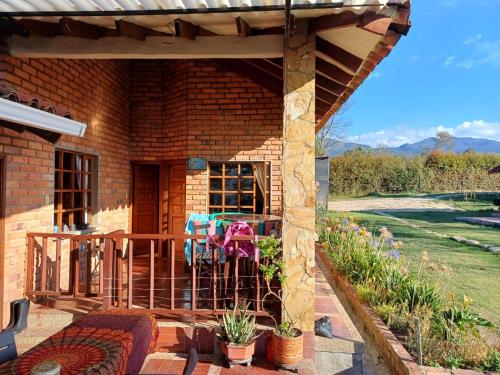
[[8, 350]]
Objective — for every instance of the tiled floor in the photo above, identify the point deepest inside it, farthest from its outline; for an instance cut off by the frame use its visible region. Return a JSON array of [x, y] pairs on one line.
[[176, 366], [324, 306]]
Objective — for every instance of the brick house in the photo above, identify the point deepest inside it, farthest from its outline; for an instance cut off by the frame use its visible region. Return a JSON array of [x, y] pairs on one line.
[[155, 92]]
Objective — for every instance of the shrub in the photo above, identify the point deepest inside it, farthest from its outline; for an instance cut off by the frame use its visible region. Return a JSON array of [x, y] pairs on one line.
[[360, 172], [449, 332]]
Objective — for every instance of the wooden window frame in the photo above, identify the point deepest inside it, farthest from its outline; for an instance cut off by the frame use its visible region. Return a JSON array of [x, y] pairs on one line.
[[223, 207], [60, 190]]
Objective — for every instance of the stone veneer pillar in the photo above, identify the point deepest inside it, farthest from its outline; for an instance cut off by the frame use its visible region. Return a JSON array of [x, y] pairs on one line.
[[299, 184]]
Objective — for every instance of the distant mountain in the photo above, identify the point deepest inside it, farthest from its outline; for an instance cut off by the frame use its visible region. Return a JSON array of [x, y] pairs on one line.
[[460, 144]]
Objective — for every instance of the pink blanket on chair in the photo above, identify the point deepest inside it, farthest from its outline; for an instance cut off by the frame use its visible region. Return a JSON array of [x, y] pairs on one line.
[[245, 248]]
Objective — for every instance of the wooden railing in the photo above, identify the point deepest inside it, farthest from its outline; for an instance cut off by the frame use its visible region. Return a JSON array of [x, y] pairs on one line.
[[155, 275]]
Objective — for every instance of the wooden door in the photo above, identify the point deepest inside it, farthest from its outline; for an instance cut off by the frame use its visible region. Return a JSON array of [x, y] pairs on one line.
[[145, 211], [177, 198]]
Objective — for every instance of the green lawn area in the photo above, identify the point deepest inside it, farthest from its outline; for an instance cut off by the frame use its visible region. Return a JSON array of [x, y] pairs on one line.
[[476, 273], [444, 222]]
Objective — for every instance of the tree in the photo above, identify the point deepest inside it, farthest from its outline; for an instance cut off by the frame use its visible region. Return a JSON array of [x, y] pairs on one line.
[[332, 134], [444, 141]]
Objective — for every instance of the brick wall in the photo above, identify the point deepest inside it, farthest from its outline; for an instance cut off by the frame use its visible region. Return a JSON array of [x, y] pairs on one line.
[[231, 118], [95, 92], [158, 109], [135, 110], [203, 111]]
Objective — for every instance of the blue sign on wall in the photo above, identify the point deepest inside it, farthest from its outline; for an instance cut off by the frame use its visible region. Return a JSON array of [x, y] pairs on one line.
[[196, 164]]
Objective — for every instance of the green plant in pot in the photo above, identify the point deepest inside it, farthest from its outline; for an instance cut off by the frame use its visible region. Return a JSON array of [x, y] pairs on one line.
[[286, 344], [238, 336]]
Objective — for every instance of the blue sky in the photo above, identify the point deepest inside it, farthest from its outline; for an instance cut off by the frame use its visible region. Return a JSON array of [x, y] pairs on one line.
[[444, 75]]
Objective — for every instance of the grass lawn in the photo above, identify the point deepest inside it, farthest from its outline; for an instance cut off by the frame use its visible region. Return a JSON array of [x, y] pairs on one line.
[[476, 273], [444, 222]]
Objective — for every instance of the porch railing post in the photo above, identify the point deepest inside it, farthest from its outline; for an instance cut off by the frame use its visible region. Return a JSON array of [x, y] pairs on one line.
[[119, 271], [30, 264], [58, 266], [172, 275], [129, 273], [151, 274], [107, 274], [75, 255]]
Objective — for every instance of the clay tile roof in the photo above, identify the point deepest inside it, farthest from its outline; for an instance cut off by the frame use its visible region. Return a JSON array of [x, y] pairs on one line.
[[24, 97]]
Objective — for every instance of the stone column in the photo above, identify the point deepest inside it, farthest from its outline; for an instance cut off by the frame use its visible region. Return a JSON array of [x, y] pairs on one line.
[[299, 177]]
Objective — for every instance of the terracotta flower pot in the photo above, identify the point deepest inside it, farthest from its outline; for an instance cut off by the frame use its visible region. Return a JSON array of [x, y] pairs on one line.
[[238, 353], [287, 351]]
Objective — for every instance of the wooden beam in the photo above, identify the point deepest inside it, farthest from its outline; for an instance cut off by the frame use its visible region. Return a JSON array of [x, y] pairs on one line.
[[267, 67], [334, 72], [11, 26], [204, 47], [322, 106], [40, 28], [325, 95], [369, 21], [329, 85], [132, 30], [71, 27], [333, 21], [347, 59], [375, 23], [243, 27], [185, 29], [245, 69]]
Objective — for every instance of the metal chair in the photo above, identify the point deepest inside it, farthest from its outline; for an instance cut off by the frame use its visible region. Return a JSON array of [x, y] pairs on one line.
[[192, 361], [8, 350]]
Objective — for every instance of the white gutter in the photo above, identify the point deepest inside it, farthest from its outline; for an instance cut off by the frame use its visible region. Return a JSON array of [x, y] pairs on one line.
[[24, 115]]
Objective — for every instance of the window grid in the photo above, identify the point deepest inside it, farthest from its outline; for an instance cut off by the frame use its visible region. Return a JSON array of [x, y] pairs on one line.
[[246, 171], [73, 189]]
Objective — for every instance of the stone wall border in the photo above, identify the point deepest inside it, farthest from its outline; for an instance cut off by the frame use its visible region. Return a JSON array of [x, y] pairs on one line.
[[397, 358]]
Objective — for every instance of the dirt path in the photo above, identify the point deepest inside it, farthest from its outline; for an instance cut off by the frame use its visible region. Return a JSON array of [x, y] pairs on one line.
[[392, 204]]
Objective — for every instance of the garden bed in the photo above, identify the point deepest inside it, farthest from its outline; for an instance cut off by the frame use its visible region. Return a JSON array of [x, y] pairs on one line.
[[392, 303], [395, 355]]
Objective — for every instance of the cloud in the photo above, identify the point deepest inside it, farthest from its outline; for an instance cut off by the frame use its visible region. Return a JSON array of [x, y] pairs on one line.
[[400, 135], [480, 52], [473, 39], [449, 60]]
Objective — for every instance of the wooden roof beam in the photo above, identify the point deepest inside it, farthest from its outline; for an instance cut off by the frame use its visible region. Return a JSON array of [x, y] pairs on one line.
[[10, 26], [347, 59], [325, 95], [259, 76], [41, 28], [243, 27], [332, 71], [187, 30], [375, 23], [267, 67], [329, 85], [370, 21], [71, 27], [334, 21]]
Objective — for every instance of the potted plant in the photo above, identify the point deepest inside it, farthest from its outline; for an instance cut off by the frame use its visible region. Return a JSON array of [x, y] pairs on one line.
[[238, 336], [287, 342]]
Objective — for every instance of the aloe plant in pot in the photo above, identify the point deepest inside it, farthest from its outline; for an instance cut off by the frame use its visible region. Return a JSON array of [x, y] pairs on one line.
[[238, 336], [287, 342]]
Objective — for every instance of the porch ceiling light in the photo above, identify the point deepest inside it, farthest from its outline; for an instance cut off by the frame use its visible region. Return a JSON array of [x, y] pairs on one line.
[[21, 114]]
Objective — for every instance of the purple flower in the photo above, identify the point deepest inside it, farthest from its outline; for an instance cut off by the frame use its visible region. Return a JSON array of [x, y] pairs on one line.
[[394, 254]]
